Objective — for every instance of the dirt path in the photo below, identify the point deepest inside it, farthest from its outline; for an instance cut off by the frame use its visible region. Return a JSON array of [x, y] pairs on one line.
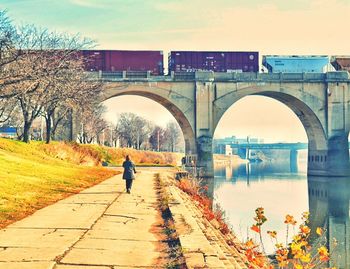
[[101, 227]]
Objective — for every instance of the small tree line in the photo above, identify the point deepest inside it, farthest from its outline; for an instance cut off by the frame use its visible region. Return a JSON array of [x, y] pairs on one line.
[[130, 131], [42, 75], [134, 131]]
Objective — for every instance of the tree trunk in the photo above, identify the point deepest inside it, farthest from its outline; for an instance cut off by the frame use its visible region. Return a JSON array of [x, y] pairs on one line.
[[26, 131], [48, 129]]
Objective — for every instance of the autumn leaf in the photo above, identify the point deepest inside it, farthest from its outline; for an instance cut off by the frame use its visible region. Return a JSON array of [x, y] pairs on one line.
[[255, 228]]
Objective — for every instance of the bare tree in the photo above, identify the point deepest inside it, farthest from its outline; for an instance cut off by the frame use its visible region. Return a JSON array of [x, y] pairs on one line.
[[92, 123], [125, 128], [133, 129], [48, 62], [157, 138], [8, 54], [7, 107], [172, 134], [71, 90]]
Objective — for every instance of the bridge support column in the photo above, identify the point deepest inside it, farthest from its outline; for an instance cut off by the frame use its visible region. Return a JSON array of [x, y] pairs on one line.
[[204, 125], [293, 161], [338, 155], [205, 165], [331, 162]]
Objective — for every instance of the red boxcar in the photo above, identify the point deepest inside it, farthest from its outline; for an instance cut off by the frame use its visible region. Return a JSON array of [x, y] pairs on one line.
[[124, 60], [217, 61]]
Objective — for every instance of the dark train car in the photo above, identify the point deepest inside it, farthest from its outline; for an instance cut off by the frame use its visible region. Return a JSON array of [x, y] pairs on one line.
[[124, 60], [341, 63], [217, 61]]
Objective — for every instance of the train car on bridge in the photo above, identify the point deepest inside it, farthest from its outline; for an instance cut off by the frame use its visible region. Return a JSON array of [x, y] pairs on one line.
[[295, 64], [341, 63], [217, 61], [124, 60]]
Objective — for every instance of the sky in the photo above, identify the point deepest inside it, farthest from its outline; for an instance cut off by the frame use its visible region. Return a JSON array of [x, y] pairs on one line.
[[298, 27]]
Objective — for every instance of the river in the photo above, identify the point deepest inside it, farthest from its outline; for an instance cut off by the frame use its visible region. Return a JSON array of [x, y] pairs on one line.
[[282, 188]]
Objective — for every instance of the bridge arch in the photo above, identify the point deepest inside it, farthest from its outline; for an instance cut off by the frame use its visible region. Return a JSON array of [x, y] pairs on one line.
[[182, 119], [311, 122]]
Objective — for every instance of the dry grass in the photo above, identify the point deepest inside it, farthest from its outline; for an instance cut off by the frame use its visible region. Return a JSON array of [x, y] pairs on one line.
[[35, 175], [146, 158]]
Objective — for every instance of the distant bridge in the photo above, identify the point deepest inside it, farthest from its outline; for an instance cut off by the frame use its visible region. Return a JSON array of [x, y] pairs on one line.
[[287, 146]]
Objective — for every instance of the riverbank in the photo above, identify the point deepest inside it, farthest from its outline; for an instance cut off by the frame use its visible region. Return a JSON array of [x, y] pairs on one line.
[[221, 159], [205, 243]]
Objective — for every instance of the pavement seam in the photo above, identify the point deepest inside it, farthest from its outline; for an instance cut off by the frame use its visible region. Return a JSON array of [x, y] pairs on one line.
[[60, 257], [45, 228], [85, 265], [121, 216]]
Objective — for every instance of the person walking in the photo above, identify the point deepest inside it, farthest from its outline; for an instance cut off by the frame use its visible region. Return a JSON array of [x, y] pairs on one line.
[[183, 162], [129, 173]]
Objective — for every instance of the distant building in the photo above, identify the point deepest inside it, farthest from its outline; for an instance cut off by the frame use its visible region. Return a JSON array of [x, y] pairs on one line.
[[228, 150], [223, 145], [8, 132]]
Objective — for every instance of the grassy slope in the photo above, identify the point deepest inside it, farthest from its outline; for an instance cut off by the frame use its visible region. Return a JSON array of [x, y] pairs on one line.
[[35, 175]]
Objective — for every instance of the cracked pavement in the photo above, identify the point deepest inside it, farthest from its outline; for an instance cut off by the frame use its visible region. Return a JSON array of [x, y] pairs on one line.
[[101, 227]]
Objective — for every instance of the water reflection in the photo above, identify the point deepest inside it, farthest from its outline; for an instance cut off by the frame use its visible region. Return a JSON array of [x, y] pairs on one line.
[[282, 188], [329, 200]]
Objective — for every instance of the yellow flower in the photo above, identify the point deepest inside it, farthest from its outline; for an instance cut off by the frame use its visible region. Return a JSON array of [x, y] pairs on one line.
[[304, 229], [323, 252], [298, 266], [290, 220], [306, 215], [273, 234], [279, 245], [296, 247], [297, 238], [306, 258], [319, 231], [250, 244]]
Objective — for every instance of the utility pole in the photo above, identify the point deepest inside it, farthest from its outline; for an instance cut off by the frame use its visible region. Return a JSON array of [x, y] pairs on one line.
[[103, 137], [111, 136], [158, 139], [42, 129], [138, 141]]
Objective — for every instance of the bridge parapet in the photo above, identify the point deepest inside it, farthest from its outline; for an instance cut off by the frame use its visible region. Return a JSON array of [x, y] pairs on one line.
[[338, 76]]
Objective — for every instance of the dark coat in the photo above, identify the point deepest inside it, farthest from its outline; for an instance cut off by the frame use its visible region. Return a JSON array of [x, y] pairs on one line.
[[129, 170]]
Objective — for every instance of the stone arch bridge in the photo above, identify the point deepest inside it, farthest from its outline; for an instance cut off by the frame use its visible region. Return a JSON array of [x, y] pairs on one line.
[[198, 100]]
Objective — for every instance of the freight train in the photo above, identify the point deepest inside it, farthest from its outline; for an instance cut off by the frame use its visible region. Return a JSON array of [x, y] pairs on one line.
[[217, 61], [124, 60]]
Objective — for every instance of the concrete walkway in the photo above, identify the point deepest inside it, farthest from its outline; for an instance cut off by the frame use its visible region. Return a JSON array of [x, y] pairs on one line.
[[101, 227]]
